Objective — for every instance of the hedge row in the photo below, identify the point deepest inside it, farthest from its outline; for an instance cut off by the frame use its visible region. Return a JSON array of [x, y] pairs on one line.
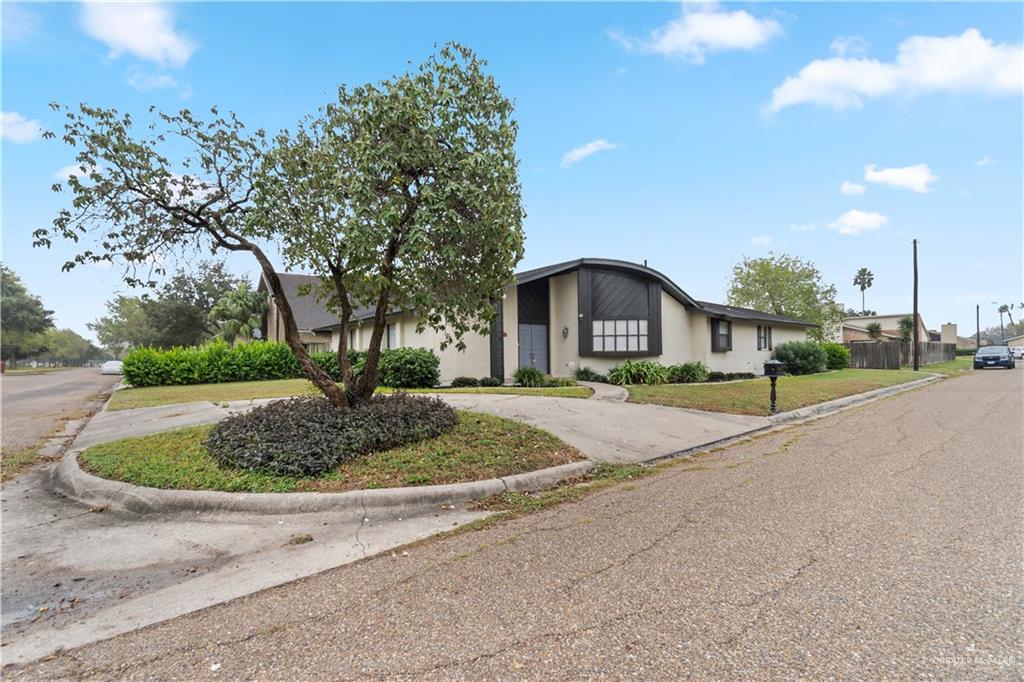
[[219, 362]]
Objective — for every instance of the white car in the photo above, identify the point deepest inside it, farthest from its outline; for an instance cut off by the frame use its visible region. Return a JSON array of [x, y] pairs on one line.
[[1018, 352], [111, 367]]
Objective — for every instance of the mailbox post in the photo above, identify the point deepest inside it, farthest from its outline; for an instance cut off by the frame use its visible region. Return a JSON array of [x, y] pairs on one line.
[[773, 370]]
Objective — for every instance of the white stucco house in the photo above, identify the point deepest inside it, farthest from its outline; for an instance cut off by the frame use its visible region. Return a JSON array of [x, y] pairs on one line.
[[591, 312]]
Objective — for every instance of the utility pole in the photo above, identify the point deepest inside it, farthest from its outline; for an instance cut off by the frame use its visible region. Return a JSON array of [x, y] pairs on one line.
[[977, 322], [916, 363]]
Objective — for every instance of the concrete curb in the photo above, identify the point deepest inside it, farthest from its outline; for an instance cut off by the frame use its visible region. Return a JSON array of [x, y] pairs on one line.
[[69, 479], [831, 406]]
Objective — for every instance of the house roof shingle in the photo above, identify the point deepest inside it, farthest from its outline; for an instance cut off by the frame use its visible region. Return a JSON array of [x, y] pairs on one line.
[[737, 313]]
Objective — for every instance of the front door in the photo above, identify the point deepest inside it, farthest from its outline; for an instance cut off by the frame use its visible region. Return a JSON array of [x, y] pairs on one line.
[[533, 346]]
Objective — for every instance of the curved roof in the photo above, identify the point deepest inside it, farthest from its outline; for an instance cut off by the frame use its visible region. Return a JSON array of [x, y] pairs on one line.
[[609, 264]]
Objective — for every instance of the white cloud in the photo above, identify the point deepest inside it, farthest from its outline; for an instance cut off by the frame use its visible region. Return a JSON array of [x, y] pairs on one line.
[[848, 45], [924, 64], [144, 81], [590, 148], [145, 30], [973, 297], [853, 189], [16, 128], [762, 240], [702, 29], [855, 222], [985, 161], [804, 227], [915, 178]]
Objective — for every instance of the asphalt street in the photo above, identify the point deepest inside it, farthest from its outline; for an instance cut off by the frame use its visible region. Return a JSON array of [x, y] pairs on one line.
[[35, 404], [881, 542]]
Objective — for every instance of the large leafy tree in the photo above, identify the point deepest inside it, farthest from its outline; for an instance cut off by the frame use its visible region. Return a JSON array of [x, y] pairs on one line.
[[400, 195], [67, 347], [790, 286], [180, 314], [238, 313], [125, 325], [863, 279], [23, 318]]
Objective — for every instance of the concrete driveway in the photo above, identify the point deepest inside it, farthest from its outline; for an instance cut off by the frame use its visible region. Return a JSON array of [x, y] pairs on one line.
[[613, 431]]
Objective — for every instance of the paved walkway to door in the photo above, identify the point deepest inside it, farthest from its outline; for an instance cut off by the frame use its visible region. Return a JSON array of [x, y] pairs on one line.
[[609, 431]]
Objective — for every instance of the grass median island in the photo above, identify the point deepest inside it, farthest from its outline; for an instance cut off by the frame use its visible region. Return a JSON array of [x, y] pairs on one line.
[[154, 396], [480, 447], [751, 397]]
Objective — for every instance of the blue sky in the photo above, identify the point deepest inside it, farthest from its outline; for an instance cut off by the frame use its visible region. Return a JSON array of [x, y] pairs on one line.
[[686, 136]]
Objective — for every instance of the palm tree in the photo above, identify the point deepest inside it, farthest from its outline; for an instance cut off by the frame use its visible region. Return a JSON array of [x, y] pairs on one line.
[[1006, 309], [238, 313], [874, 330], [863, 279]]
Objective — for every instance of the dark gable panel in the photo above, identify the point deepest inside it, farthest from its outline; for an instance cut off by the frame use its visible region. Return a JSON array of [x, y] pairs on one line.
[[533, 304], [616, 296]]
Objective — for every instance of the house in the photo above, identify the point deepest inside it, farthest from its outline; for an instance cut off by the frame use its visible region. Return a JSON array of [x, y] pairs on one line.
[[856, 328], [1014, 341], [591, 312], [308, 312]]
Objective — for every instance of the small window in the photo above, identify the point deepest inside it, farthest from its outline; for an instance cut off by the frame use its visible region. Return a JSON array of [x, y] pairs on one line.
[[316, 347], [764, 338], [721, 336], [392, 336], [619, 336], [352, 339]]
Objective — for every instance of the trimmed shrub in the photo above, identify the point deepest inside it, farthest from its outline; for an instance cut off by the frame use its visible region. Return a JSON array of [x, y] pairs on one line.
[[643, 372], [309, 436], [716, 376], [965, 351], [409, 368], [558, 382], [801, 357], [687, 373], [464, 382], [490, 381], [837, 356], [587, 374], [528, 376], [217, 362]]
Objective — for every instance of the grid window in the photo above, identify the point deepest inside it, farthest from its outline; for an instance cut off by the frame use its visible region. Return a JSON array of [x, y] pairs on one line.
[[764, 338], [721, 336], [619, 336]]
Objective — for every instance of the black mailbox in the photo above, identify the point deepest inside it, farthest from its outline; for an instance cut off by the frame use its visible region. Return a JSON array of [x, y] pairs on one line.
[[772, 368]]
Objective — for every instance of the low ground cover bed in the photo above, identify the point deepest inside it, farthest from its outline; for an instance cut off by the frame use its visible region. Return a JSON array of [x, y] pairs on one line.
[[751, 397], [154, 396], [480, 447]]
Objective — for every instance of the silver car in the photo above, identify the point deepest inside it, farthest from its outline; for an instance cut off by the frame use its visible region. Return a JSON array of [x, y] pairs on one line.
[[112, 367]]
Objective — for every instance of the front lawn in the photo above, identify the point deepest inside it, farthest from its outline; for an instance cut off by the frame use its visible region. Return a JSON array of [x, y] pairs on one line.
[[480, 447], [752, 397], [956, 367], [153, 396]]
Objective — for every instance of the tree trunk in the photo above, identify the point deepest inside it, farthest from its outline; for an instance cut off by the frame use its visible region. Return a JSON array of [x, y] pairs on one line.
[[863, 305], [367, 382], [320, 378]]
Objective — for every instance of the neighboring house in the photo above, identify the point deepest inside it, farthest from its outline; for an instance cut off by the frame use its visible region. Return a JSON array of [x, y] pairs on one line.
[[856, 328], [1015, 341], [592, 312], [309, 314]]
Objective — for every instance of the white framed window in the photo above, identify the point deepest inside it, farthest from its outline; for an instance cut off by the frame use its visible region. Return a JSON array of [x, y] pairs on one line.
[[619, 336], [392, 330], [764, 338], [352, 339]]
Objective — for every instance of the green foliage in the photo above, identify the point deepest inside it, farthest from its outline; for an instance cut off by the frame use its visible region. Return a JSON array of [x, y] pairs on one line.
[[787, 285], [409, 368], [801, 357], [688, 373], [529, 376], [906, 329], [587, 374], [66, 347], [490, 382], [837, 356], [308, 436], [558, 382], [716, 376], [23, 319], [874, 330], [643, 372], [217, 362], [238, 313], [965, 351], [465, 382]]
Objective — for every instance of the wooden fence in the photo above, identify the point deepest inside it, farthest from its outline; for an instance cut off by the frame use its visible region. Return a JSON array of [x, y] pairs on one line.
[[893, 354]]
